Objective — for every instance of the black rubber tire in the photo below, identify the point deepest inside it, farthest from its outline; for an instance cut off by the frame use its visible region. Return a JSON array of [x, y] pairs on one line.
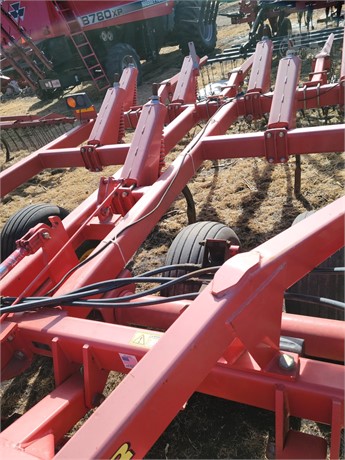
[[119, 57], [49, 94], [186, 249], [320, 285], [193, 25], [285, 28], [25, 219]]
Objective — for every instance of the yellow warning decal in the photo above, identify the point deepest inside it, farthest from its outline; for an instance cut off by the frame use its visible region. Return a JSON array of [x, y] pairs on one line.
[[123, 453], [144, 339]]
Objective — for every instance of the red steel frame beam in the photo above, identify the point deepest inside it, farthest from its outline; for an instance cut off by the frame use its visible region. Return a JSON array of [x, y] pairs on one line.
[[324, 139], [265, 272], [24, 121]]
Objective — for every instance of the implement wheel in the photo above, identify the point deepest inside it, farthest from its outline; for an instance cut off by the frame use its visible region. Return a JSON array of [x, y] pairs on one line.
[[187, 249], [25, 219], [325, 285], [195, 21], [120, 56]]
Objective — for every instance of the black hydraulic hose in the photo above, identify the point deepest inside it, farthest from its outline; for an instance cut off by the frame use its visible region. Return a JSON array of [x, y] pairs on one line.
[[166, 281], [156, 271], [322, 301], [32, 303], [118, 304], [145, 303], [166, 268], [116, 283], [329, 270], [23, 308], [74, 297]]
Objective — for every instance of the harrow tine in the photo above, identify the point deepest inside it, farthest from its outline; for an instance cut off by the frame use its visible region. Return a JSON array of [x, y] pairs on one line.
[[202, 75], [53, 132], [212, 72], [32, 132], [223, 74], [20, 134], [208, 75], [16, 135], [44, 135], [28, 135], [60, 129]]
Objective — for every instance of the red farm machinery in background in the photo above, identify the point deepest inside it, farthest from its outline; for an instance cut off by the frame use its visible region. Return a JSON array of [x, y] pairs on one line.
[[52, 45], [271, 18], [232, 339]]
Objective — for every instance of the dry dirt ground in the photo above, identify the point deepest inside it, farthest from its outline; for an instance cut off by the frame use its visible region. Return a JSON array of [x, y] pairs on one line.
[[249, 195]]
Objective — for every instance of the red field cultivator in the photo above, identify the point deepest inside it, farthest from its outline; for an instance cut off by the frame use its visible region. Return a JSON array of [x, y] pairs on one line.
[[215, 321]]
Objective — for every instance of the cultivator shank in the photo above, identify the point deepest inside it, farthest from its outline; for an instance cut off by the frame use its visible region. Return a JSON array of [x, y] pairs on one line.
[[231, 340]]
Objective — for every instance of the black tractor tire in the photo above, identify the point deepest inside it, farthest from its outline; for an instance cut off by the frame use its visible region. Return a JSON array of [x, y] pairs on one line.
[[22, 221], [186, 248], [120, 56], [325, 285], [195, 21], [49, 94], [285, 28]]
